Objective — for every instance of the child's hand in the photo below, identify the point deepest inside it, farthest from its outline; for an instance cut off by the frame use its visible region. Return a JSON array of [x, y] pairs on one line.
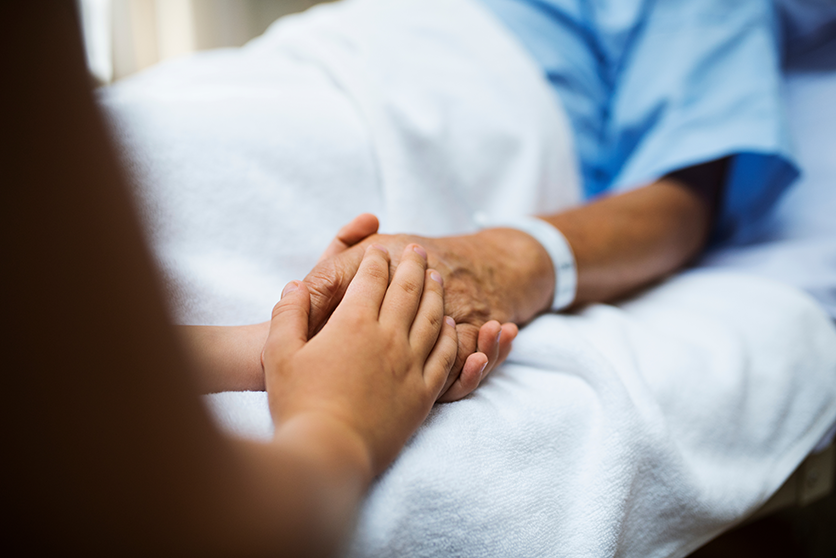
[[377, 366]]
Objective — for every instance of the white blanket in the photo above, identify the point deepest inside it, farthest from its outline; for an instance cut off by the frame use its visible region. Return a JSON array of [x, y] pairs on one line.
[[641, 430], [638, 430]]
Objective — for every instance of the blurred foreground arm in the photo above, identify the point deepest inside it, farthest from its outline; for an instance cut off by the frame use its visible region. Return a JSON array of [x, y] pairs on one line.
[[109, 447]]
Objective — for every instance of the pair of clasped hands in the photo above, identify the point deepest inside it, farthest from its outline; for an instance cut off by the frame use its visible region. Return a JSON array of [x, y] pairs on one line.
[[386, 352]]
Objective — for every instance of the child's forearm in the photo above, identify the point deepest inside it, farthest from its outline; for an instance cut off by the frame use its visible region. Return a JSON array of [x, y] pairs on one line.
[[227, 358]]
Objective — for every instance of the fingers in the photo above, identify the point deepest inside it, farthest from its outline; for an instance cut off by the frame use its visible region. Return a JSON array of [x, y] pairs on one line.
[[488, 343], [493, 346], [467, 334], [442, 358], [405, 293], [364, 295], [476, 364], [289, 323], [495, 341], [428, 320], [469, 378], [509, 333], [359, 228]]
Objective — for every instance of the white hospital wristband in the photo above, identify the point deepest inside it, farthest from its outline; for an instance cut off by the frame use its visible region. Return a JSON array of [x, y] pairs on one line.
[[563, 260]]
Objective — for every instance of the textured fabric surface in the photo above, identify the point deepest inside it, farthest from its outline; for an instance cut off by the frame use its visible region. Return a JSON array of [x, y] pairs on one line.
[[640, 430]]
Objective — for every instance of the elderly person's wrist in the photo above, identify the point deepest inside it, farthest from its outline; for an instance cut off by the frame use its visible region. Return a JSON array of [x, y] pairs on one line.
[[560, 253], [524, 268]]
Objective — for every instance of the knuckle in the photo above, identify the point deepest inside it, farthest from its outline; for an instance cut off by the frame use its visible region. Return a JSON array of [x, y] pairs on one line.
[[458, 363], [468, 337], [465, 310], [285, 312], [432, 321], [281, 308], [450, 358], [410, 287], [324, 280], [377, 271], [277, 310]]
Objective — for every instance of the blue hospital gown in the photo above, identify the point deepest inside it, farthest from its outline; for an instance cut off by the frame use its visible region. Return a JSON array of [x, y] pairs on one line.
[[655, 86]]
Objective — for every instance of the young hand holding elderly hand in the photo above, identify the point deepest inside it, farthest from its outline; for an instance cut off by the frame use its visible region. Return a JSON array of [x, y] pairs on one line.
[[498, 275], [228, 356], [378, 365]]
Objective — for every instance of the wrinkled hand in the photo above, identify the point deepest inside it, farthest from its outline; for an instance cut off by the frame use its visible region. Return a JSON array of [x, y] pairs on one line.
[[497, 275]]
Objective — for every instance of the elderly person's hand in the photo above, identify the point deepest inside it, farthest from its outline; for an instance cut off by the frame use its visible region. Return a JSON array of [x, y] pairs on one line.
[[496, 275]]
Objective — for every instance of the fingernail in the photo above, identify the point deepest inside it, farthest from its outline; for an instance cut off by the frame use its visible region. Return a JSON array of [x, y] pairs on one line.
[[450, 321], [381, 248], [482, 370], [498, 336], [436, 276], [290, 287], [420, 251]]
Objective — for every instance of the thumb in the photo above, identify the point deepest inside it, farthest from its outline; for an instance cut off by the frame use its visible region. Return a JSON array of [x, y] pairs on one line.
[[327, 283], [289, 323], [359, 228]]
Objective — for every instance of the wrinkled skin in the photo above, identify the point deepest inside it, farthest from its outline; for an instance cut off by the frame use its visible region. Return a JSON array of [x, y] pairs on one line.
[[492, 277]]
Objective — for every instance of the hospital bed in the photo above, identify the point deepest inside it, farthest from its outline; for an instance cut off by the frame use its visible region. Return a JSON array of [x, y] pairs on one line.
[[812, 481], [643, 428], [798, 240]]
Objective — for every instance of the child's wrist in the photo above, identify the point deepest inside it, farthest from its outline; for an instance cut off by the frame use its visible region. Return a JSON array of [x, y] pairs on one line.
[[329, 442]]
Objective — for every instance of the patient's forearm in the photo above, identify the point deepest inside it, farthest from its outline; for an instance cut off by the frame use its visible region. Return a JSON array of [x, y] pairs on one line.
[[625, 241], [227, 358], [620, 243]]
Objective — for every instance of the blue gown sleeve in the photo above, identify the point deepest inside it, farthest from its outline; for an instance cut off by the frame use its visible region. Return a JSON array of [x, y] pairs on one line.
[[701, 80], [653, 86]]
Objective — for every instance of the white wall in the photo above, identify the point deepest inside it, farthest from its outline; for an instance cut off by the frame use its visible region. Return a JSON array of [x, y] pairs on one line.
[[125, 36]]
